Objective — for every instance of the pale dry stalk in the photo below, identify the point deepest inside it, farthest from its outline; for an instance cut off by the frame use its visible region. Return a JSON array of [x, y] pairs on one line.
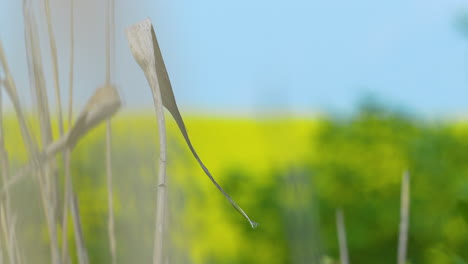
[[142, 48], [343, 244], [404, 218], [53, 53], [110, 56], [145, 49], [67, 165], [80, 245]]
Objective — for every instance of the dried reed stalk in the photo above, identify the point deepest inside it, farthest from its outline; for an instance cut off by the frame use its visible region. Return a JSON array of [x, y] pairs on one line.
[[340, 226], [80, 245], [145, 49], [36, 73], [404, 218], [53, 53], [139, 37], [110, 226], [110, 56], [67, 165]]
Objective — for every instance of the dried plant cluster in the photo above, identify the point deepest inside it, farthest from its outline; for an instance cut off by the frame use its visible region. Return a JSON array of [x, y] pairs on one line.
[[101, 106], [42, 165]]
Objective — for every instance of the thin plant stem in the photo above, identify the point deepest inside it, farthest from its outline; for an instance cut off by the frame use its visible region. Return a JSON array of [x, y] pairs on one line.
[[67, 164], [404, 218], [162, 195], [144, 55], [53, 53], [110, 42], [69, 196], [111, 225], [340, 226], [81, 249]]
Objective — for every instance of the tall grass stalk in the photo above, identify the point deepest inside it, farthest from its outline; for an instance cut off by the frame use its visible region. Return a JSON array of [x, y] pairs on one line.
[[79, 238], [110, 56], [343, 244], [53, 53], [67, 165], [141, 43], [404, 218], [145, 49]]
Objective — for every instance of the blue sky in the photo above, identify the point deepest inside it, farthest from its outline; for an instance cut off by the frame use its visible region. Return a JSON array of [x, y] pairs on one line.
[[250, 56]]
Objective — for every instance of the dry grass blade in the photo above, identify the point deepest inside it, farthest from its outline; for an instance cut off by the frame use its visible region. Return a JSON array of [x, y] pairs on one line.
[[340, 226], [53, 53], [37, 74], [145, 50], [81, 249], [104, 103], [404, 218]]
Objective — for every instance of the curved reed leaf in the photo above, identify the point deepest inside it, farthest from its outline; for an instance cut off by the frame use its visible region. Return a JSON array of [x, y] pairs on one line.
[[145, 50]]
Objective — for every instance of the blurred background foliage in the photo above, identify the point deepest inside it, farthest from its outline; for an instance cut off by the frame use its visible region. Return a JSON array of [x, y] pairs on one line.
[[289, 174]]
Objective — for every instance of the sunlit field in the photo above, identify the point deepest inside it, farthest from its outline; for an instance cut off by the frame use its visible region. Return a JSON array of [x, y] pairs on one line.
[[289, 174]]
